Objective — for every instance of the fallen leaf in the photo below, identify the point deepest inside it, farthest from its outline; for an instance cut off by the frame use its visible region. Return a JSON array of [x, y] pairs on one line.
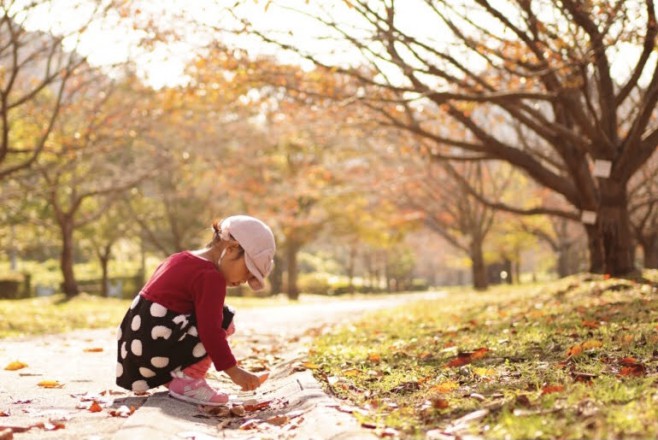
[[590, 324], [122, 411], [95, 407], [4, 413], [254, 405], [310, 365], [249, 424], [93, 350], [467, 357], [374, 357], [548, 389], [439, 403], [238, 411], [50, 384], [278, 420], [445, 387], [15, 365], [263, 377]]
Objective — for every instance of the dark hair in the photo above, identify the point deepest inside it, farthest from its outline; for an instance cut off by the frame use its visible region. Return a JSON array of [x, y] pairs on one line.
[[216, 236]]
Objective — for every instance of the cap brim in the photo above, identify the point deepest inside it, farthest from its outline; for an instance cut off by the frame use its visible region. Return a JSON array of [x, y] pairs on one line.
[[257, 282]]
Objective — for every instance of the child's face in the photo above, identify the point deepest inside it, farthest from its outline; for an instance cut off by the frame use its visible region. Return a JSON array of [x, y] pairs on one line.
[[234, 269]]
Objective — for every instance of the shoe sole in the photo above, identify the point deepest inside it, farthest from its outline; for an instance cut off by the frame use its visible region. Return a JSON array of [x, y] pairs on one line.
[[194, 401]]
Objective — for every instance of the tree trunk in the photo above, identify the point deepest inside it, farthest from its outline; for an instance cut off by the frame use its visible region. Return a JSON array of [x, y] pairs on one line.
[[649, 246], [479, 268], [104, 259], [276, 277], [351, 266], [614, 226], [563, 269], [292, 249], [66, 261]]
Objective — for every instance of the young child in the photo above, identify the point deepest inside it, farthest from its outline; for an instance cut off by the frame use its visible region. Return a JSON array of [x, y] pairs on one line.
[[173, 330]]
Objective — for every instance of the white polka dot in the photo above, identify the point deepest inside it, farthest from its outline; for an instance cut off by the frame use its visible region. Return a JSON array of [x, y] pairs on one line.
[[199, 350], [180, 320], [136, 347], [119, 370], [160, 331], [124, 352], [158, 311], [137, 322], [134, 303], [119, 334], [145, 372], [193, 331], [160, 362], [139, 386]]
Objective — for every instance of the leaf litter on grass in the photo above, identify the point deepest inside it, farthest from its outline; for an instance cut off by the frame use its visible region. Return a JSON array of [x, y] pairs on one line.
[[574, 358]]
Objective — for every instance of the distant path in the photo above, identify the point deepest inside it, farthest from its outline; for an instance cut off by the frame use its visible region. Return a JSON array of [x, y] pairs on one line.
[[84, 362]]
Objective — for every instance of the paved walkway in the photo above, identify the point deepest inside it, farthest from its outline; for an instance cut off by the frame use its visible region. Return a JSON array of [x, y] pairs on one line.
[[80, 366]]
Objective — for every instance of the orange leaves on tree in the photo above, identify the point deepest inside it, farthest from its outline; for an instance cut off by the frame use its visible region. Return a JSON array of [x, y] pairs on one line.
[[15, 365], [467, 357]]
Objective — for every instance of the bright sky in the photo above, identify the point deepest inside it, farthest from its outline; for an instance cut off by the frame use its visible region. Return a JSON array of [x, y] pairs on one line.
[[111, 41]]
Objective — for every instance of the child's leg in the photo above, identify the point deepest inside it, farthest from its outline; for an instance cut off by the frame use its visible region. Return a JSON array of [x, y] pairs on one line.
[[198, 370]]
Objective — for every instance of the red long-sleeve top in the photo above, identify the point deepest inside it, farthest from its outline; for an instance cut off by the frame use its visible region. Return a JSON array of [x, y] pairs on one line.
[[186, 283]]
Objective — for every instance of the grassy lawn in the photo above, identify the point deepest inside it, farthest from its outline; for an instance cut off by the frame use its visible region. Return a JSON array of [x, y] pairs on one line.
[[52, 314], [572, 359]]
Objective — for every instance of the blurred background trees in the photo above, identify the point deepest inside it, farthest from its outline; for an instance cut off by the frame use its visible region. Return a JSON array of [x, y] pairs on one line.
[[480, 143]]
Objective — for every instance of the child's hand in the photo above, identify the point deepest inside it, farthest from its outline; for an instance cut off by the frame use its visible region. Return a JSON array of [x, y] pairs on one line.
[[230, 330], [248, 381]]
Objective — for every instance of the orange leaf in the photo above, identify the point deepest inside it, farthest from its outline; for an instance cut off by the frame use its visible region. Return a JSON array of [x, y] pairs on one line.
[[16, 365], [548, 389], [374, 357], [440, 403], [95, 407], [445, 387], [50, 384], [93, 350], [590, 324]]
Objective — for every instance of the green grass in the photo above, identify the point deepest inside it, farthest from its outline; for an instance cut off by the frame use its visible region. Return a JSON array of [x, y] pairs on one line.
[[54, 314], [555, 366]]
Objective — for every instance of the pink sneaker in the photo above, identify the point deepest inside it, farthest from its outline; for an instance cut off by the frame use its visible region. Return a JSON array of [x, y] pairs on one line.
[[196, 391]]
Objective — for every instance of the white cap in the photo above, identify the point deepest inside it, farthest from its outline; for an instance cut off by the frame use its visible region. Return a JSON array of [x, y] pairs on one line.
[[257, 240]]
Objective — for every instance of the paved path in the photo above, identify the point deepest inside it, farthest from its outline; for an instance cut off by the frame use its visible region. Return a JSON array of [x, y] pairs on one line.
[[82, 362]]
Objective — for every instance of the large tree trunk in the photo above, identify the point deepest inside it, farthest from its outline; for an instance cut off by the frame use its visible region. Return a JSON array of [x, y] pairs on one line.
[[615, 229], [292, 249], [66, 261], [479, 268], [649, 244]]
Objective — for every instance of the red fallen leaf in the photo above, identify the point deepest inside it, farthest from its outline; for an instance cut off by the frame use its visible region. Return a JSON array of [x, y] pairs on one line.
[[4, 413], [633, 370], [467, 357], [439, 403], [93, 350], [628, 361], [590, 324], [122, 411], [548, 389], [95, 407], [254, 405]]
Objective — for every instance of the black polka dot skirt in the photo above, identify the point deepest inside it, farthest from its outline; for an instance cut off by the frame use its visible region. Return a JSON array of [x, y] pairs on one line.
[[152, 343]]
